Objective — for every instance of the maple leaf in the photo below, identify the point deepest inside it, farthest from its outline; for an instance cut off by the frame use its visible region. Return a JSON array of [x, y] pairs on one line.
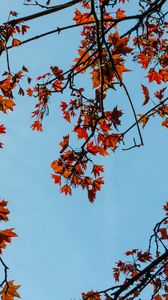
[[131, 252], [91, 195], [97, 184], [65, 143], [57, 178], [57, 166], [6, 237], [144, 257], [115, 115], [165, 123], [84, 60], [96, 78], [82, 134], [97, 169], [6, 104], [158, 297], [154, 76], [16, 42], [160, 94], [82, 18], [66, 190], [37, 126], [143, 119], [29, 92], [2, 129], [144, 60], [24, 28], [3, 210], [10, 291], [163, 232], [13, 13], [63, 105], [120, 13], [146, 93]]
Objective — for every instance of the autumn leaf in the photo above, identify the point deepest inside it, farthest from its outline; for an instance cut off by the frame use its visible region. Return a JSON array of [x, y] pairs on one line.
[[37, 126], [10, 291], [66, 190], [120, 13], [6, 104], [65, 143], [16, 42], [158, 297], [97, 169], [81, 132], [57, 166], [115, 117], [97, 184], [6, 237], [146, 93], [144, 60], [91, 195], [165, 123], [4, 211], [2, 129], [57, 178], [154, 76], [143, 119], [160, 94], [24, 29], [82, 17], [163, 232]]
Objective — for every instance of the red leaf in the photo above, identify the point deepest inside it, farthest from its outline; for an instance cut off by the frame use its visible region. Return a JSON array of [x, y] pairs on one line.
[[65, 143], [2, 129], [37, 126], [164, 235], [146, 93], [57, 179], [82, 134], [91, 195]]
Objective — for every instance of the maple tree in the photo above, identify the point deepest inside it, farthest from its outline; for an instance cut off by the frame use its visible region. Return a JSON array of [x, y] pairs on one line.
[[108, 49]]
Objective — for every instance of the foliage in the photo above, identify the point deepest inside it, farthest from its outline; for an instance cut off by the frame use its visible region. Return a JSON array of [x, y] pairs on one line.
[[109, 49]]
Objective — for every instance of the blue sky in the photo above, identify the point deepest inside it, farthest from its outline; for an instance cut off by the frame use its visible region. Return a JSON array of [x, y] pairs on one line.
[[66, 245]]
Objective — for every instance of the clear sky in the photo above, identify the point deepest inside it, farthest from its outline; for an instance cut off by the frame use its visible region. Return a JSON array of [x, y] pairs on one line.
[[67, 245]]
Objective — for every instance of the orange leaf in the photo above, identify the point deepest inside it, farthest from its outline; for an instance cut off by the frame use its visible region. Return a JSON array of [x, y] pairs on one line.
[[6, 237], [37, 126], [57, 166], [143, 120], [10, 291], [82, 134], [57, 179], [6, 104], [3, 210], [165, 123], [97, 169], [65, 143], [154, 76], [66, 190], [120, 13], [16, 42]]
